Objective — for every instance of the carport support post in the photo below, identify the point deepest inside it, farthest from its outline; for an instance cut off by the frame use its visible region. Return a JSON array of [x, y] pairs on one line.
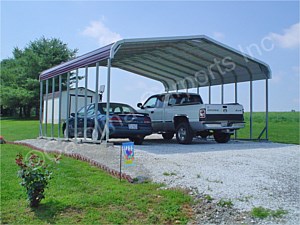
[[76, 106], [59, 105], [235, 100], [222, 94], [209, 94], [96, 99], [68, 107], [41, 108], [108, 99], [52, 118], [251, 107], [46, 110], [267, 109], [85, 101]]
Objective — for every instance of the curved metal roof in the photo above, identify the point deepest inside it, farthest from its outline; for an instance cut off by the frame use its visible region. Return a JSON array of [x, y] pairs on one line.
[[177, 62]]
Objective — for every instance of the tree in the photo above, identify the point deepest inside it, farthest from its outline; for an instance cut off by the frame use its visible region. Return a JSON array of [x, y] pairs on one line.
[[20, 74]]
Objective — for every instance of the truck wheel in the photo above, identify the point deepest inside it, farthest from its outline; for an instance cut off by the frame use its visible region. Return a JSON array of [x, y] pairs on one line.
[[168, 136], [221, 137], [137, 140], [184, 133]]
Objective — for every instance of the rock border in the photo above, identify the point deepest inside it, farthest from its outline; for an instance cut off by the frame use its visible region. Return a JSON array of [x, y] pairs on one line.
[[80, 157]]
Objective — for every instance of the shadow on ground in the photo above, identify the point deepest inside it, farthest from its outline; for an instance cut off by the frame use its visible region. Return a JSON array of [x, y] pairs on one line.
[[50, 211], [157, 145]]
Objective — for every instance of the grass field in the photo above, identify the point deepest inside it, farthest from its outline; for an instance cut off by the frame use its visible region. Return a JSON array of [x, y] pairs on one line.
[[82, 194], [283, 127]]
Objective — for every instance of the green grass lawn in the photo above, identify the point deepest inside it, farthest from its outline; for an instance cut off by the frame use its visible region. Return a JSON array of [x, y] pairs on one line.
[[283, 126], [20, 129], [82, 194]]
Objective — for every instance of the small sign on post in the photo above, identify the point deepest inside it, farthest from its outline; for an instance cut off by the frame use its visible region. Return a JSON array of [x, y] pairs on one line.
[[127, 150], [128, 153]]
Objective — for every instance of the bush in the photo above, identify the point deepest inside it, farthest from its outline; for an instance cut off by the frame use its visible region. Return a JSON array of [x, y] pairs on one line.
[[35, 175]]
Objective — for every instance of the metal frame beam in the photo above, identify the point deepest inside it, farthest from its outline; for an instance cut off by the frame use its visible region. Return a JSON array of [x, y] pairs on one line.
[[68, 108], [46, 110], [251, 109], [107, 100], [85, 102], [41, 109], [96, 125], [59, 105], [76, 106], [267, 109], [52, 109]]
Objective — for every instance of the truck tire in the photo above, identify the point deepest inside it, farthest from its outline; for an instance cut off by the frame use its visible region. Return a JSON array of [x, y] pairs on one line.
[[184, 134], [221, 137], [168, 136]]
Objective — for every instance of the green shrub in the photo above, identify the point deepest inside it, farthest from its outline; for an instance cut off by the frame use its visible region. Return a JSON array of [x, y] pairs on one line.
[[35, 175]]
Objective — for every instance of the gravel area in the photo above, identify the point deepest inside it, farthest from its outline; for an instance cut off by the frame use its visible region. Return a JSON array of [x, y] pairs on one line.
[[248, 174]]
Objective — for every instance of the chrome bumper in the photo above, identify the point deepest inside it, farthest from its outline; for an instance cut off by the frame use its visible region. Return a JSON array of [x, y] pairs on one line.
[[223, 125]]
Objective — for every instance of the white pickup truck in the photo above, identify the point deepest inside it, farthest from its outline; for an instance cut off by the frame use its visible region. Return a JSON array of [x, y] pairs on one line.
[[187, 116]]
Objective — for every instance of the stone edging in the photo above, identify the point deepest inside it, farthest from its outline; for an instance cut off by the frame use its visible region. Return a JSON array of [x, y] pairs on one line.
[[77, 156]]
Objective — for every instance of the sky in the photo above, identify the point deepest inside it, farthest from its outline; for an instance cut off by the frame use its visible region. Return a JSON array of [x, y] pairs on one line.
[[269, 31]]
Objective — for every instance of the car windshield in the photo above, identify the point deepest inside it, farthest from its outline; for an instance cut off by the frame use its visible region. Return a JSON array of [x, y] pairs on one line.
[[90, 110]]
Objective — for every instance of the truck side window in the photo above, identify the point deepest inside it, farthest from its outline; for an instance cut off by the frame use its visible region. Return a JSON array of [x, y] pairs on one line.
[[160, 101], [172, 100], [155, 102], [151, 102]]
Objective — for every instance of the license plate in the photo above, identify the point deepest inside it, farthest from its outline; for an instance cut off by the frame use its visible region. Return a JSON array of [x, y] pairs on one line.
[[132, 126]]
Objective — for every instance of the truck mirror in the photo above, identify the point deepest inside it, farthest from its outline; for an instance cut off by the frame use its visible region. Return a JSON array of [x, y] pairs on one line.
[[73, 114], [140, 105]]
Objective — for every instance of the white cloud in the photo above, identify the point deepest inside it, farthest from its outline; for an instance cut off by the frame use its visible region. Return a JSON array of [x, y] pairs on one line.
[[289, 38], [101, 33], [218, 35]]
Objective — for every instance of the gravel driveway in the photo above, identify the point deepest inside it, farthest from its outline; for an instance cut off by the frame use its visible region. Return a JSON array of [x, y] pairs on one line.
[[249, 174]]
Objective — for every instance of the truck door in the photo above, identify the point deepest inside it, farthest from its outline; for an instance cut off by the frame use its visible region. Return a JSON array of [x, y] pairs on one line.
[[154, 107]]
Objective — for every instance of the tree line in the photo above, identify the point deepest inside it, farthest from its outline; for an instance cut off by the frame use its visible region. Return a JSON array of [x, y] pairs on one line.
[[19, 80]]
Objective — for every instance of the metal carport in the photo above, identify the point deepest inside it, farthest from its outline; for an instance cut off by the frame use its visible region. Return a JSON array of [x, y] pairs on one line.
[[177, 62]]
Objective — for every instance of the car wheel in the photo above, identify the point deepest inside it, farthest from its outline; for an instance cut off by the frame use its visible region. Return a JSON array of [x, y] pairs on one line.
[[221, 137], [65, 132], [184, 134], [168, 136], [137, 140]]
